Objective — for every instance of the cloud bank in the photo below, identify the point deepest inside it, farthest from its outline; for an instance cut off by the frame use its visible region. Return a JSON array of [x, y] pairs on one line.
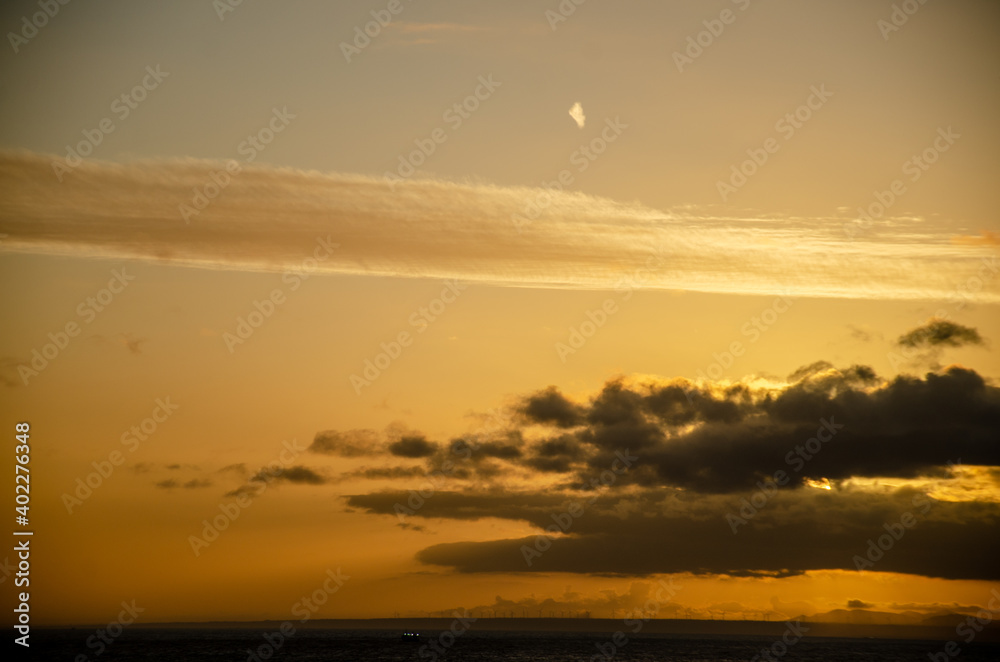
[[746, 478], [271, 219], [722, 438]]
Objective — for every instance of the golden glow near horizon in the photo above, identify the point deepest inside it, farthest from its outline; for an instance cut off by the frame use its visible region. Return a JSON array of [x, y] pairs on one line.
[[504, 309]]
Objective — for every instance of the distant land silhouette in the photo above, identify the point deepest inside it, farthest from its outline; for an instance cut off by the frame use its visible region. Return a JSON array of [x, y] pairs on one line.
[[866, 624]]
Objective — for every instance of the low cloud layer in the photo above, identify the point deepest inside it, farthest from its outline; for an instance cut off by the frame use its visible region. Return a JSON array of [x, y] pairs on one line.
[[750, 478], [273, 219], [653, 531], [828, 423]]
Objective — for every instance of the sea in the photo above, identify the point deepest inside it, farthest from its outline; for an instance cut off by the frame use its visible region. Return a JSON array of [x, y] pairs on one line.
[[316, 645]]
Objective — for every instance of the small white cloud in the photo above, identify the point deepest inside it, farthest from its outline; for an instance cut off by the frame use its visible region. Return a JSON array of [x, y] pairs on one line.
[[576, 112]]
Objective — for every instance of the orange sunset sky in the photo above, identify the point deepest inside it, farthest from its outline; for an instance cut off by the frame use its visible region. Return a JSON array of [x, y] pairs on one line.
[[293, 297]]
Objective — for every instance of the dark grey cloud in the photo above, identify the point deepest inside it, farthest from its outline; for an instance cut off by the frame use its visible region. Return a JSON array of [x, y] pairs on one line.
[[825, 423], [940, 333], [525, 507], [193, 484], [499, 444], [414, 446], [828, 423], [797, 531], [551, 407], [556, 455], [700, 448], [859, 604], [295, 474], [904, 428], [352, 443], [268, 476]]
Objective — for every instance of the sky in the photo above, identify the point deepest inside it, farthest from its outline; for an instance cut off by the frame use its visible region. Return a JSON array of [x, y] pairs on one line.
[[522, 307]]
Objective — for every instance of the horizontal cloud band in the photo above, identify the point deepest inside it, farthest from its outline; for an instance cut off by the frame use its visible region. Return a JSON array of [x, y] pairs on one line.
[[201, 213]]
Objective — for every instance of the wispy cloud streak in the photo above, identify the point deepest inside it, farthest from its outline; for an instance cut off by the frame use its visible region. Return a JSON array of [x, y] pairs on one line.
[[269, 219]]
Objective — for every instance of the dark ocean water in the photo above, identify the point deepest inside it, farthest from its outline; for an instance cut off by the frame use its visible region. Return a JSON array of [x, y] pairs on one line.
[[168, 645]]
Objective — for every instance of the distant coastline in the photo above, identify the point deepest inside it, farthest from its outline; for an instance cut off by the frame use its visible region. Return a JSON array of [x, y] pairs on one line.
[[991, 633]]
